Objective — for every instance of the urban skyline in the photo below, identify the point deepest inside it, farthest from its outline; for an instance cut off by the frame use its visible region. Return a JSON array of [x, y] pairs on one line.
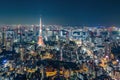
[[59, 40]]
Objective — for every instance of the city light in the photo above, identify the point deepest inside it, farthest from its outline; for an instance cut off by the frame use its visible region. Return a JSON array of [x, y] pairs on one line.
[[84, 53], [117, 60], [107, 56]]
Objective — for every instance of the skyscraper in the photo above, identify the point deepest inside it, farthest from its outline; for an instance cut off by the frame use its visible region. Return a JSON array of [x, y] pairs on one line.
[[40, 38]]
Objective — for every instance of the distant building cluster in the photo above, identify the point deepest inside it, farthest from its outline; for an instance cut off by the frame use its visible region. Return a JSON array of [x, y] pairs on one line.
[[30, 33]]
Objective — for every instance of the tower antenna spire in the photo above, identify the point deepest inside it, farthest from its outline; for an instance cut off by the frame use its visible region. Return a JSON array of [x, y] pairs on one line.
[[40, 32]]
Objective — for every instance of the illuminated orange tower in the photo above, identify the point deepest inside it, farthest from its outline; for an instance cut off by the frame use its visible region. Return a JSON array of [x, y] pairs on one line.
[[40, 39]]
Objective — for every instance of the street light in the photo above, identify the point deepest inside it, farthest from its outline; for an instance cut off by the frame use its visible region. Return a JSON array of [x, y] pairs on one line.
[[84, 49], [107, 56], [117, 60]]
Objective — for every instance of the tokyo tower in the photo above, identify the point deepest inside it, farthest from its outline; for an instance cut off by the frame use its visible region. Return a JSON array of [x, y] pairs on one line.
[[40, 38]]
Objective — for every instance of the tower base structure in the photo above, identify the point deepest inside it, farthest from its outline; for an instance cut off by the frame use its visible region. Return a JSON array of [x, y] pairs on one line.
[[40, 42]]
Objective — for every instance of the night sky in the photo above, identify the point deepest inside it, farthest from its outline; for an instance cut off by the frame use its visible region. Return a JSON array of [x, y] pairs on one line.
[[63, 12]]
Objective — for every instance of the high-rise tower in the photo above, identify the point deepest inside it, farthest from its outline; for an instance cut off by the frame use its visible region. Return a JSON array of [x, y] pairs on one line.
[[40, 39]]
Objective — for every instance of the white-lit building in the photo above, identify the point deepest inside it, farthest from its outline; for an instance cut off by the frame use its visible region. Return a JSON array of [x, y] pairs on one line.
[[80, 34]]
